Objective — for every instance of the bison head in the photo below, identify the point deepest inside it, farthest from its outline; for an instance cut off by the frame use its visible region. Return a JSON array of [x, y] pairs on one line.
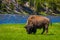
[[28, 29]]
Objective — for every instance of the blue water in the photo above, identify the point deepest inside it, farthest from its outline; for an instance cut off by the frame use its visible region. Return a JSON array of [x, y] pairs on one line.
[[15, 18]]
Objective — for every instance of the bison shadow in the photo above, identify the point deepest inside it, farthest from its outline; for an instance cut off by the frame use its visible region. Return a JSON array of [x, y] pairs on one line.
[[45, 34]]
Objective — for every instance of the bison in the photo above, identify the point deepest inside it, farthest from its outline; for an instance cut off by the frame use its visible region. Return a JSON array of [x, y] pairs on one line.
[[35, 22]]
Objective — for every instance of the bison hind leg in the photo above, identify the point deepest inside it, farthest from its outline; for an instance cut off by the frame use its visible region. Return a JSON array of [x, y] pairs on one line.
[[43, 30], [46, 27]]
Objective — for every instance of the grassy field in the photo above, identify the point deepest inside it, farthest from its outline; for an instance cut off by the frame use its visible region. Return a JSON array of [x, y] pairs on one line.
[[18, 32]]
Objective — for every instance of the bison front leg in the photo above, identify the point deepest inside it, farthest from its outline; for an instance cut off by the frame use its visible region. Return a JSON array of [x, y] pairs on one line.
[[34, 30], [43, 30]]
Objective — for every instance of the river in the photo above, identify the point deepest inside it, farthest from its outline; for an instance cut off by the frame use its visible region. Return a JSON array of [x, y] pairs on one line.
[[16, 18]]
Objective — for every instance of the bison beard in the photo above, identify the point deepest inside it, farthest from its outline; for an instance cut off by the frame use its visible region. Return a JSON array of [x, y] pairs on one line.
[[35, 22]]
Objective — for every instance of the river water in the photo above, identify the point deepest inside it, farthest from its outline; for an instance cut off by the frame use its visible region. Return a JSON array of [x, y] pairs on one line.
[[16, 18]]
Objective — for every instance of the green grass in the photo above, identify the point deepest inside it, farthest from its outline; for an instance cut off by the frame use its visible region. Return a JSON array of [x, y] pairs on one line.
[[18, 32]]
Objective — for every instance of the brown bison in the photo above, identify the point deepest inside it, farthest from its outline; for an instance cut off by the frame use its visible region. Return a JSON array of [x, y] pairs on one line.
[[35, 22]]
